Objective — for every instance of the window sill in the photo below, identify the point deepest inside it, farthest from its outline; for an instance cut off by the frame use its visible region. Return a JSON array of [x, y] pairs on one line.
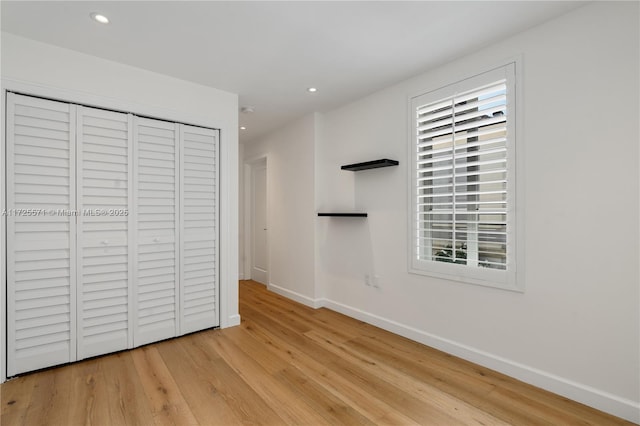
[[501, 280]]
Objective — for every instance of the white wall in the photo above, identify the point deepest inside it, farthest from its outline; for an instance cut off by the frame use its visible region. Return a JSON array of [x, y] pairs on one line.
[[290, 206], [575, 329], [49, 71]]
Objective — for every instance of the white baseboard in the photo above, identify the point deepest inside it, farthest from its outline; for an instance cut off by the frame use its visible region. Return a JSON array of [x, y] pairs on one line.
[[601, 400], [232, 321], [300, 298], [241, 276], [604, 401]]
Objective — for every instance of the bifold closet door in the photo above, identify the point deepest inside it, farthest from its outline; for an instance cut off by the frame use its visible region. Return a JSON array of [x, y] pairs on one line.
[[199, 239], [105, 224], [41, 246], [156, 153], [112, 231]]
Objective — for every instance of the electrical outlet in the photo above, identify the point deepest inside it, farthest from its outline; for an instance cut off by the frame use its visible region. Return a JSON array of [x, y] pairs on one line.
[[367, 280]]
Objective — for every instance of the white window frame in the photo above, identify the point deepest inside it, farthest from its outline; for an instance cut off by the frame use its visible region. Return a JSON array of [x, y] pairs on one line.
[[512, 277]]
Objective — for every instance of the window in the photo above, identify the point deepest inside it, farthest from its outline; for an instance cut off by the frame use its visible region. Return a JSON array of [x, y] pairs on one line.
[[463, 180]]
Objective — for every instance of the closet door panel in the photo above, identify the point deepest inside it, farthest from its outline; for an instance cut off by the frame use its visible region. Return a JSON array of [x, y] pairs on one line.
[[157, 243], [104, 229], [41, 249], [199, 239]]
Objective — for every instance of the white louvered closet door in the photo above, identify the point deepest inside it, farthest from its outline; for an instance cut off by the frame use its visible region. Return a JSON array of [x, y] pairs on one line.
[[156, 153], [41, 327], [199, 238], [104, 230]]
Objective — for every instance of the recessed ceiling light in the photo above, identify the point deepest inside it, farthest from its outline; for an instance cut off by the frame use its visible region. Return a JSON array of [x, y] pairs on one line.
[[98, 17], [243, 128], [312, 90]]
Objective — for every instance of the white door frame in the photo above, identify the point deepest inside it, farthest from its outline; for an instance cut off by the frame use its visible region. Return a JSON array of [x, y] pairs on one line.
[[249, 166], [228, 178]]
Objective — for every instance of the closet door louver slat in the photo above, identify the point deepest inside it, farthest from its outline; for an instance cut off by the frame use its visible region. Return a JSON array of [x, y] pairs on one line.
[[104, 229], [199, 238], [41, 249], [156, 151]]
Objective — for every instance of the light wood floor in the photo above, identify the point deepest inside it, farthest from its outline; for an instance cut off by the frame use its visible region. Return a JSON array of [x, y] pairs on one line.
[[285, 364]]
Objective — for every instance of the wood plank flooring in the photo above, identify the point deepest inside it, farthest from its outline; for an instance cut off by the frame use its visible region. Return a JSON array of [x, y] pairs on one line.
[[285, 364]]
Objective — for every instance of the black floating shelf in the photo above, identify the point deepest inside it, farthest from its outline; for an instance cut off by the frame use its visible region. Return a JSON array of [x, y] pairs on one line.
[[385, 162], [343, 214]]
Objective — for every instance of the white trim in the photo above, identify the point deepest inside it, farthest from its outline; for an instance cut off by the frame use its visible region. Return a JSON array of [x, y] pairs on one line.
[[9, 319], [132, 226], [601, 400], [228, 162], [218, 282], [519, 207], [104, 102], [228, 246], [298, 297], [513, 278], [233, 321], [3, 234]]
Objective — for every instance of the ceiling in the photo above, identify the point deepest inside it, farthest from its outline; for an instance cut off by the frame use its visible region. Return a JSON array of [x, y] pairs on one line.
[[270, 52]]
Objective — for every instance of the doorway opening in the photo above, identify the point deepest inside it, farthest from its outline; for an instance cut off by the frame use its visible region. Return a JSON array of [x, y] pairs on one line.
[[256, 266]]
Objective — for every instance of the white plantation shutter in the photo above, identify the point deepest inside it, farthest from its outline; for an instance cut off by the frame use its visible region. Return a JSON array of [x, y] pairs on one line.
[[157, 162], [463, 180], [40, 248], [104, 231], [199, 270]]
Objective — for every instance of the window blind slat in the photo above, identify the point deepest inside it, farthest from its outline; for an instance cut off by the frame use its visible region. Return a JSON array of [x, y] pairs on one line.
[[495, 98], [461, 126], [478, 117], [433, 106], [482, 92]]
